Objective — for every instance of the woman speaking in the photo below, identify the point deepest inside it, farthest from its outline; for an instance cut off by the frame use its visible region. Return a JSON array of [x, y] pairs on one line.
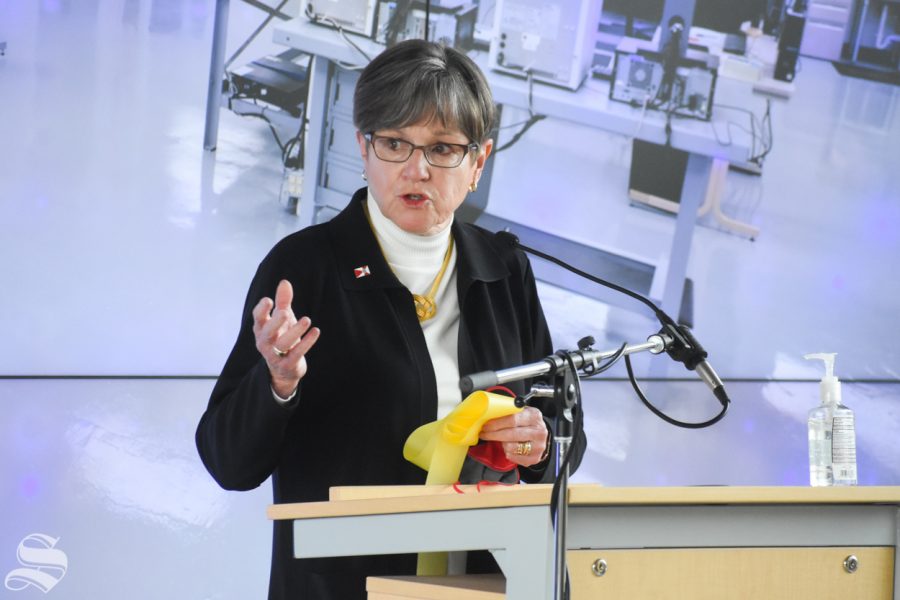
[[355, 332]]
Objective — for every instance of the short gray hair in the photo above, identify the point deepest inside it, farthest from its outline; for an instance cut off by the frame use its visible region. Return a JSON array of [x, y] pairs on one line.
[[417, 81]]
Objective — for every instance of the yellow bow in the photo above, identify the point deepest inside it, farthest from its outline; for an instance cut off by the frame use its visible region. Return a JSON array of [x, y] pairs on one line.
[[440, 447]]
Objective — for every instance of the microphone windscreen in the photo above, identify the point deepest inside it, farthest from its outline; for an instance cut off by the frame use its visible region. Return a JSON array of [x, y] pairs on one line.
[[477, 381], [508, 238]]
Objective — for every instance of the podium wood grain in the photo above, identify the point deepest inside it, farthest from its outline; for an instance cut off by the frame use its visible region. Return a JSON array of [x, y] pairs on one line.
[[451, 587]]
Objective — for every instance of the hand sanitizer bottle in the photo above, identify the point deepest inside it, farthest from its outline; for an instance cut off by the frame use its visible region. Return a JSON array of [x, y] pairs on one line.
[[832, 433]]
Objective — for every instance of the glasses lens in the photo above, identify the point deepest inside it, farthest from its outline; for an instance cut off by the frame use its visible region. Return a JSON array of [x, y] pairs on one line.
[[445, 155], [397, 150], [392, 149]]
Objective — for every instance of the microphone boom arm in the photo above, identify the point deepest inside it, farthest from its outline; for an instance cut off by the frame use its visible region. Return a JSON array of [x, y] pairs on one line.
[[655, 344]]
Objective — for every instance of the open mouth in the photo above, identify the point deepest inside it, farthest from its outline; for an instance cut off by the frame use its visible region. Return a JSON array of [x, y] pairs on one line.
[[414, 199]]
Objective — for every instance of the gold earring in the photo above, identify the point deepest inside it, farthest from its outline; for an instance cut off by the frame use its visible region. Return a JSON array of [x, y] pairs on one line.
[[473, 186]]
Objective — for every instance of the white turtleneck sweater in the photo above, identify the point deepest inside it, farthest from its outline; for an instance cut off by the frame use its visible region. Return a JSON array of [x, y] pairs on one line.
[[416, 260]]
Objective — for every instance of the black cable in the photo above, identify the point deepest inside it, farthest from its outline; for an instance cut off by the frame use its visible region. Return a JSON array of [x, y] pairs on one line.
[[663, 416], [767, 145], [259, 115], [297, 140], [521, 132], [680, 343], [656, 310], [669, 127], [764, 125], [532, 119], [577, 428], [591, 371], [427, 17]]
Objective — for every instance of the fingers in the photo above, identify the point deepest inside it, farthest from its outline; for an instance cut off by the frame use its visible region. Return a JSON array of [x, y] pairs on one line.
[[284, 295], [261, 313], [278, 333], [298, 338], [510, 427], [523, 435], [272, 319]]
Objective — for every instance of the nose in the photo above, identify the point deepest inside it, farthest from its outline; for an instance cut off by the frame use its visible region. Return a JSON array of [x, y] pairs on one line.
[[416, 167]]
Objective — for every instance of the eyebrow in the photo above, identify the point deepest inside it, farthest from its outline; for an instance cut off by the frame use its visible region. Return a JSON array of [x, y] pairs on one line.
[[393, 133]]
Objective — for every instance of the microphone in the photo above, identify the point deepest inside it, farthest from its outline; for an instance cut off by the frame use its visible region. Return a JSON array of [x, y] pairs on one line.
[[681, 345], [687, 350]]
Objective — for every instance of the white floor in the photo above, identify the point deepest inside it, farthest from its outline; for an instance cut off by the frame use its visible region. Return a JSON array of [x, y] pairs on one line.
[[127, 250]]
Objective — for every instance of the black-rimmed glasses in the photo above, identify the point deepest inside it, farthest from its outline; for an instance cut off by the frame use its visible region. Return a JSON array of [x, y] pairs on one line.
[[441, 154]]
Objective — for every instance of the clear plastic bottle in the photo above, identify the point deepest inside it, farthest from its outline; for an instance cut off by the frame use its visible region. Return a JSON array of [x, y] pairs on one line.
[[820, 473], [832, 433]]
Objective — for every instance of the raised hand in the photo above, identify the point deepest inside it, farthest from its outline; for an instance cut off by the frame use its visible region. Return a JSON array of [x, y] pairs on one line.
[[282, 339]]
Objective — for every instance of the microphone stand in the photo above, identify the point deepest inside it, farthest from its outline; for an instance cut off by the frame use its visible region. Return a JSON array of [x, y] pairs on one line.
[[566, 396], [563, 366]]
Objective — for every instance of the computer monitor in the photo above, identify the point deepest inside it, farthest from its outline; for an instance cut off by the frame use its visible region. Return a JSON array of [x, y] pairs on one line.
[[641, 16], [720, 15], [728, 15]]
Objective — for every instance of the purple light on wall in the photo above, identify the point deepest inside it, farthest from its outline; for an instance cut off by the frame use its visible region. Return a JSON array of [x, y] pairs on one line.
[[881, 220], [837, 282], [51, 6], [794, 477], [199, 9], [31, 485]]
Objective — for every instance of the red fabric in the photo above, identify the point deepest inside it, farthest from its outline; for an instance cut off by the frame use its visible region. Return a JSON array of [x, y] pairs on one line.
[[490, 483], [478, 485], [492, 455]]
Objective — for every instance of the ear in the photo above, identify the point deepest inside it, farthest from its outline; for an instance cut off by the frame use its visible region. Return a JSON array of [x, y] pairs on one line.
[[483, 154], [363, 146]]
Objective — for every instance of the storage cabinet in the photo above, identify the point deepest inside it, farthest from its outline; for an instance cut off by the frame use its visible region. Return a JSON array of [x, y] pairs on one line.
[[827, 22], [717, 573]]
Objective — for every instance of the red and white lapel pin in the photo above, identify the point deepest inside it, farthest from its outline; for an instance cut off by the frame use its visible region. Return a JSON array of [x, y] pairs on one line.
[[362, 271]]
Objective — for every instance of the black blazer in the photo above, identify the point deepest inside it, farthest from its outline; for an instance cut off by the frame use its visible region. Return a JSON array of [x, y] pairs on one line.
[[370, 381]]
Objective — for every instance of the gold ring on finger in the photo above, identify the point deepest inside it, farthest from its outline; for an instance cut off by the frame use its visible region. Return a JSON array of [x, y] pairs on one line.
[[279, 352]]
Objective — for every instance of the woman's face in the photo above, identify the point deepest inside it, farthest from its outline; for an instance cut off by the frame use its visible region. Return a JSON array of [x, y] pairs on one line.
[[417, 196]]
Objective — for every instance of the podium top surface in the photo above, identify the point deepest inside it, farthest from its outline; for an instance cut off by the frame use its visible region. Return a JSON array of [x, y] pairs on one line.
[[350, 501]]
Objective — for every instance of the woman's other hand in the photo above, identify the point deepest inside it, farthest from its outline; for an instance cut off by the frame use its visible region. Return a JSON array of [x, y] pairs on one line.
[[282, 339], [523, 435]]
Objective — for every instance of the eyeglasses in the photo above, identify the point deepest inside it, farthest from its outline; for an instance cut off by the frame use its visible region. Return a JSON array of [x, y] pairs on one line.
[[441, 154]]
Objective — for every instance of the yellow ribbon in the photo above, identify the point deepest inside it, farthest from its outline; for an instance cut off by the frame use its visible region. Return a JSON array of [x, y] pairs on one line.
[[440, 447]]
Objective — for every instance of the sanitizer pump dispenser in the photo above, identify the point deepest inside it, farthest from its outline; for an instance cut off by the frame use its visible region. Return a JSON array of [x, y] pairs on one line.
[[832, 432]]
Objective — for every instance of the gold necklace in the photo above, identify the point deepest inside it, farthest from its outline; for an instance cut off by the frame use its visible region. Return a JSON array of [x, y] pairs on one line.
[[426, 307]]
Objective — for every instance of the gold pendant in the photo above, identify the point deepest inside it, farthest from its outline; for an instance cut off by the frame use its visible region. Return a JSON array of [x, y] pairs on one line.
[[425, 307]]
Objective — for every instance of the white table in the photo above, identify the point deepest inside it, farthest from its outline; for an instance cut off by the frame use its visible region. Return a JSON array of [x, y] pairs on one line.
[[589, 106]]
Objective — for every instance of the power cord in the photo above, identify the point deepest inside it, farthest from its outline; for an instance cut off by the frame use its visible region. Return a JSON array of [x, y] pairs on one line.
[[335, 25], [532, 118]]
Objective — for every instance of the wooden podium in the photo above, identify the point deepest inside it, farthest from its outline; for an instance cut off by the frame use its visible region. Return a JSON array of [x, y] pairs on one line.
[[698, 543]]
